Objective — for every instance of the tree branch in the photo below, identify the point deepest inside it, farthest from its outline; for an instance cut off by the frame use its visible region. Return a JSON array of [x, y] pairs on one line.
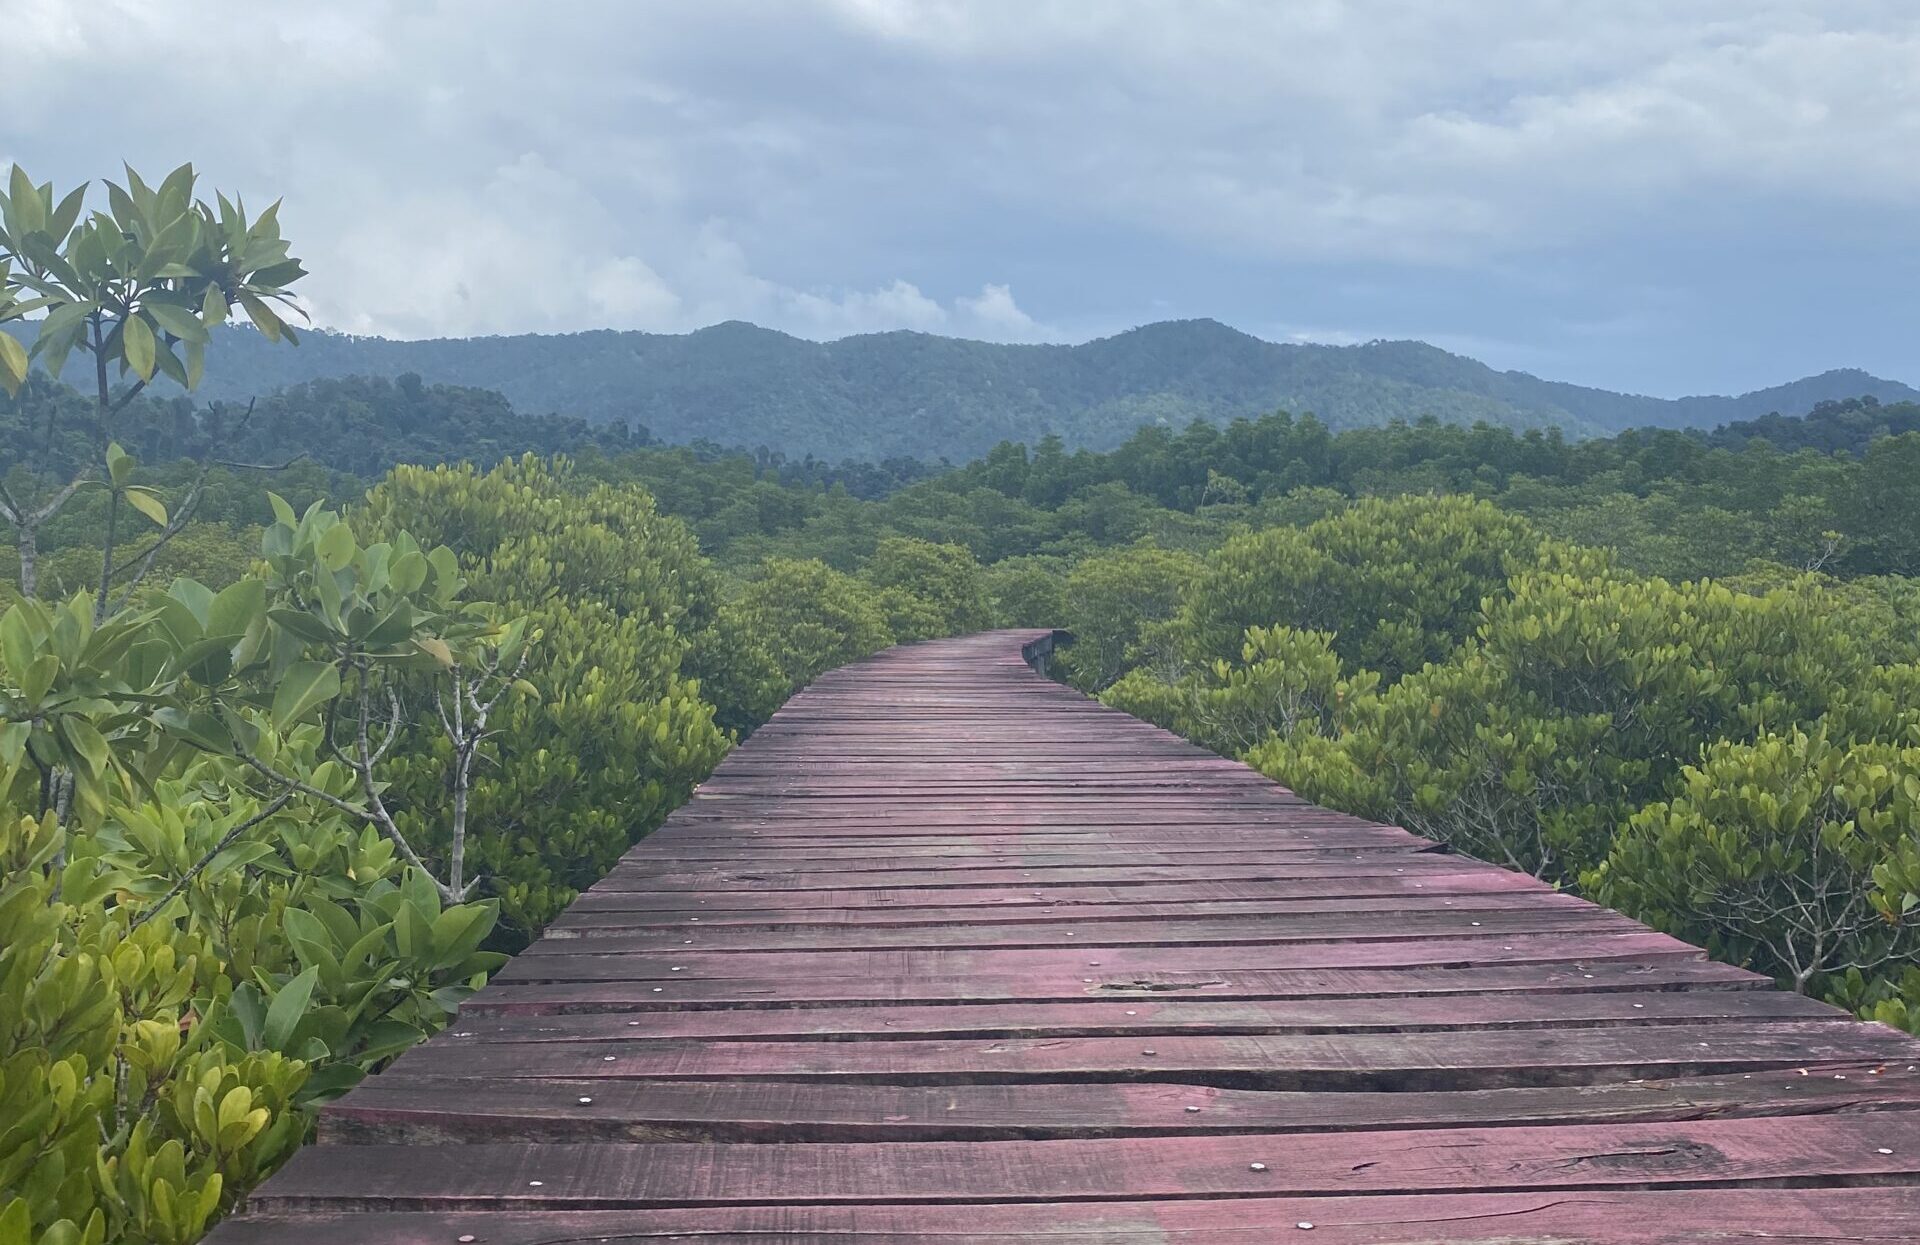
[[200, 866]]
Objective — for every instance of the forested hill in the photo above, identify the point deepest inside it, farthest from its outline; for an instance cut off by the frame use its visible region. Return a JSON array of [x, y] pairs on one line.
[[913, 394]]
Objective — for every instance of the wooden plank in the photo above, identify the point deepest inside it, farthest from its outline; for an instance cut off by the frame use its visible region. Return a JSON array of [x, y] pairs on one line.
[[1398, 886], [1153, 1016], [1110, 931], [799, 990], [1493, 1059], [1857, 1216], [637, 866], [396, 1108], [569, 963], [1023, 909], [1334, 872], [1763, 1151]]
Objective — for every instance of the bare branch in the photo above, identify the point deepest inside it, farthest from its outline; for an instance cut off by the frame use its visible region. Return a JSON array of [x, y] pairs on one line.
[[377, 814], [200, 866]]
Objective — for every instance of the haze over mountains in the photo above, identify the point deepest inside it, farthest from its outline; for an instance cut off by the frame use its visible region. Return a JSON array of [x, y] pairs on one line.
[[906, 393]]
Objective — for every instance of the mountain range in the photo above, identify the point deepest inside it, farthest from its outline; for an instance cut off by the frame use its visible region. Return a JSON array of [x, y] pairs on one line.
[[914, 394]]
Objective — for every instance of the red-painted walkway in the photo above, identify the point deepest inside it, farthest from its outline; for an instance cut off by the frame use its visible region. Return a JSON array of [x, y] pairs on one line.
[[949, 953]]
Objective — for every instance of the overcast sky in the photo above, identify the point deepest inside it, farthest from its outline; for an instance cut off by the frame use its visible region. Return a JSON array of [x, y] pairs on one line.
[[1666, 196]]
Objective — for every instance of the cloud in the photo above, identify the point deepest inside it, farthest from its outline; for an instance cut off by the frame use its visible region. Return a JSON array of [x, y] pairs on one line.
[[1511, 168]]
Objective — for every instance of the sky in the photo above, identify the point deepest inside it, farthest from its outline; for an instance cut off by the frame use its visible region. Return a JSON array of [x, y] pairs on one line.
[[1661, 196]]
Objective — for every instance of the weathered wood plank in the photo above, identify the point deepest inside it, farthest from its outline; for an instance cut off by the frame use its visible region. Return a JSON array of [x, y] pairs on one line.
[[1108, 931], [1883, 1146], [1859, 1216], [791, 990], [1490, 1060], [1398, 886], [570, 963], [434, 1110], [1023, 909], [1153, 1016]]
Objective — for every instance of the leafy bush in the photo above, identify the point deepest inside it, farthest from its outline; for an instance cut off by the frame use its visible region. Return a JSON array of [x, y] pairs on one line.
[[1396, 583], [1287, 683], [928, 590], [1113, 603], [1577, 699], [204, 920], [812, 618], [1739, 767], [619, 733], [1028, 592], [1795, 853]]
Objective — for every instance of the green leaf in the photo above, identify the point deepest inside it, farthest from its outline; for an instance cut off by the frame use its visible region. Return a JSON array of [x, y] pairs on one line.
[[37, 676], [88, 744], [459, 931], [395, 627], [119, 463], [335, 546], [282, 511], [126, 213], [60, 332], [304, 625], [202, 730], [276, 276], [16, 640], [176, 320], [196, 596], [269, 324], [176, 190], [168, 364], [13, 743], [67, 214], [148, 503], [137, 340], [24, 198], [235, 607], [287, 1008], [305, 685], [15, 1227], [13, 363]]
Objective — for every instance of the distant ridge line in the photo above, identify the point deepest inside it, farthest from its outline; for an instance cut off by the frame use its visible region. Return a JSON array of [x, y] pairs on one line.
[[910, 394]]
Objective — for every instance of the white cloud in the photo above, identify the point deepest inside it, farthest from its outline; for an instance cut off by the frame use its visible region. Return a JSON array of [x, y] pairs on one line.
[[846, 166], [993, 313]]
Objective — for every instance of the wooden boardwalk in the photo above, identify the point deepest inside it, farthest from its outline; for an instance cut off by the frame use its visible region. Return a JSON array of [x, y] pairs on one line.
[[949, 953]]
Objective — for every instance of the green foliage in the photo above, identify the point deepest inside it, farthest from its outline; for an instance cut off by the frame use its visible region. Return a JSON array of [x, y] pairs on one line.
[[737, 674], [1113, 602], [1396, 583], [620, 731], [887, 395], [1881, 512], [142, 285], [1028, 592], [812, 618], [203, 925], [122, 1117], [1737, 763], [1795, 853], [1287, 682], [928, 590], [1577, 698]]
